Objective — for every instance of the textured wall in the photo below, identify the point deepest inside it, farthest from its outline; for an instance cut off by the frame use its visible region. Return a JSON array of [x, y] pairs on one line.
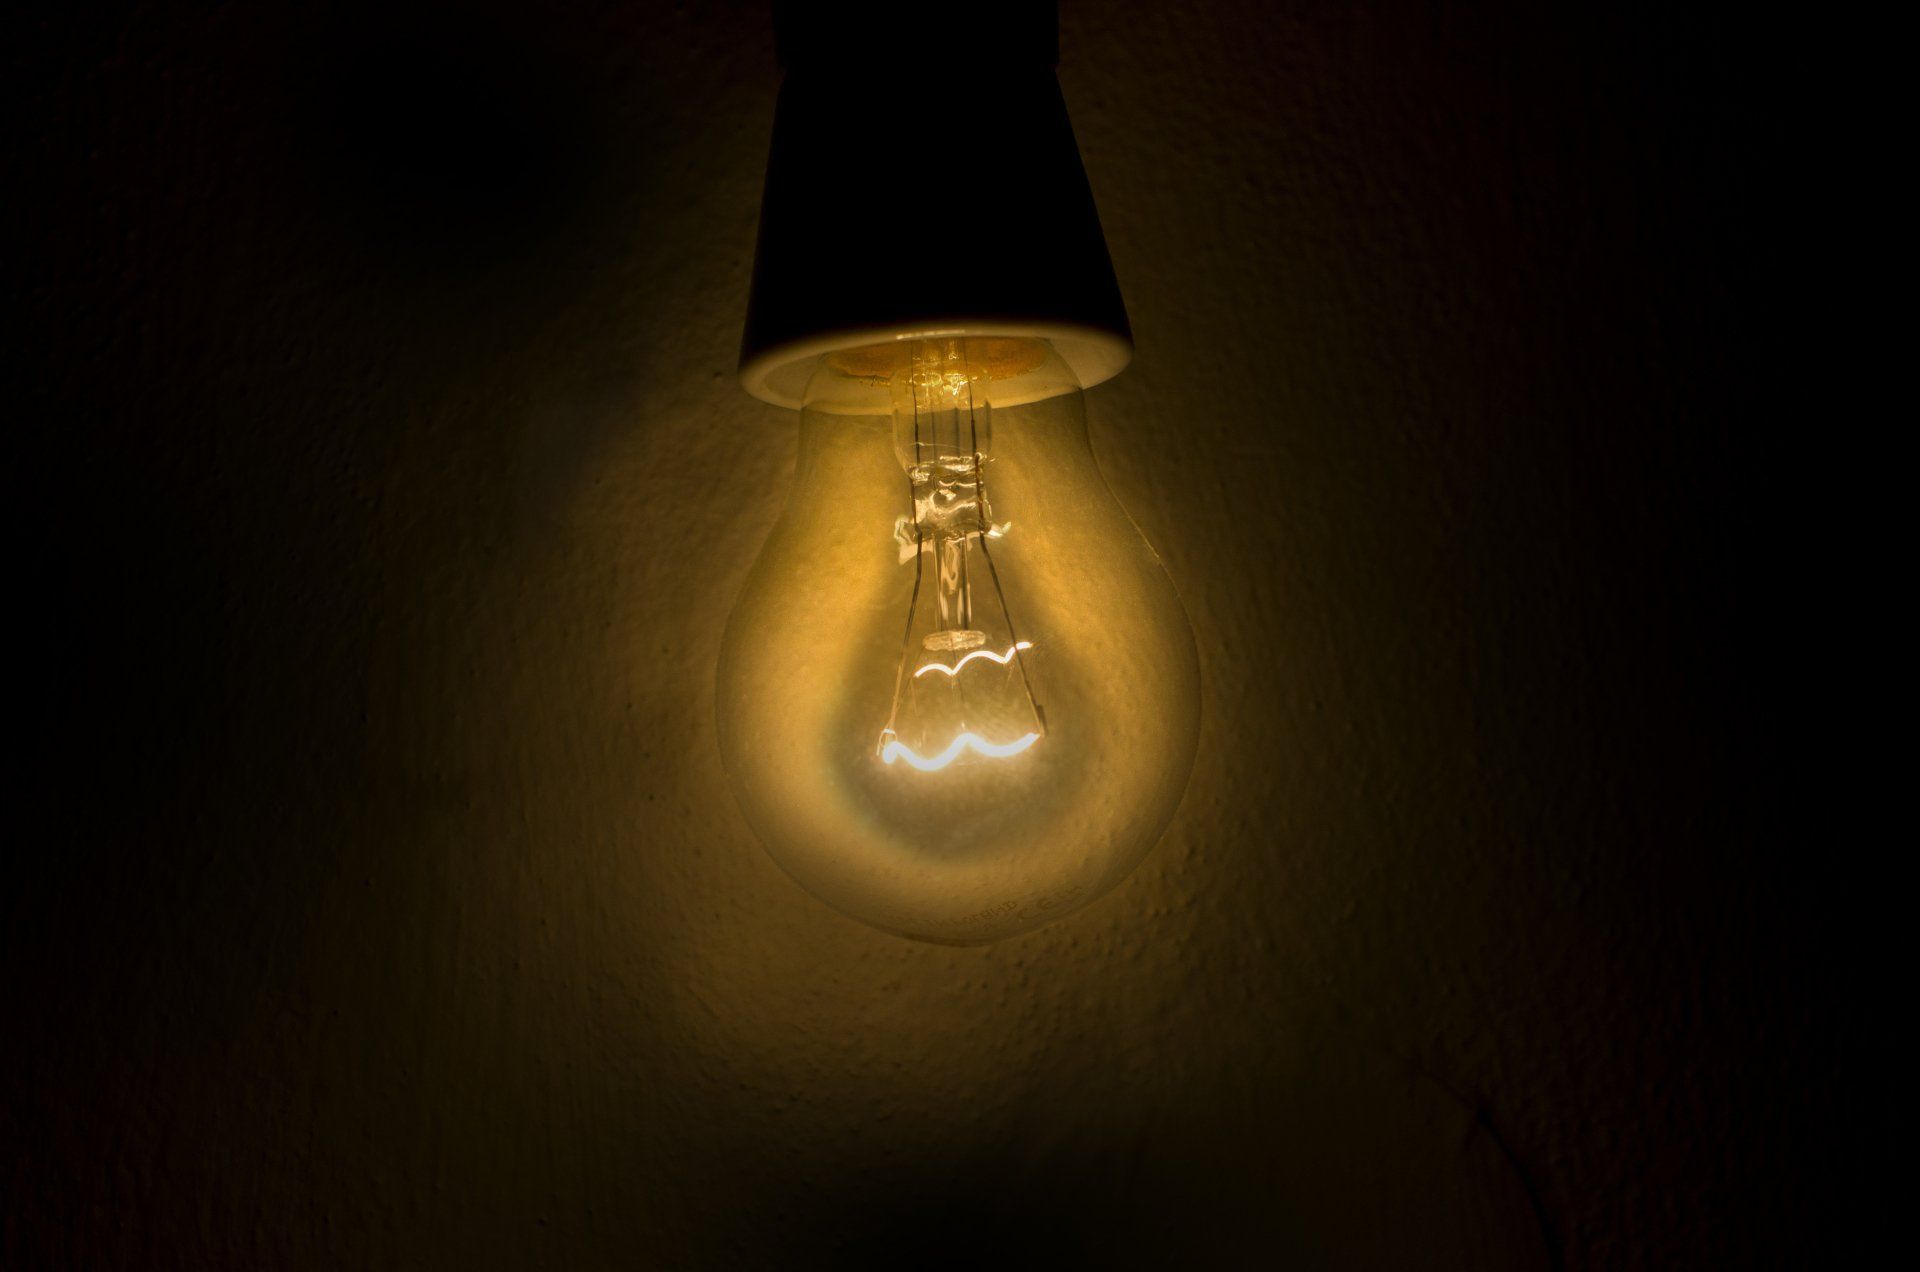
[[390, 486]]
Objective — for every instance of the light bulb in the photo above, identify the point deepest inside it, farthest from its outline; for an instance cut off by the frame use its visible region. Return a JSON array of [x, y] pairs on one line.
[[958, 697]]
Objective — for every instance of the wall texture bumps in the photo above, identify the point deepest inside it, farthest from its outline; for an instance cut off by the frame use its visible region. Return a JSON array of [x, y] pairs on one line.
[[391, 486]]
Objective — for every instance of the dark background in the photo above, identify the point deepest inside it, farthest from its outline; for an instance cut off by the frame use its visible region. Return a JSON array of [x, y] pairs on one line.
[[381, 489]]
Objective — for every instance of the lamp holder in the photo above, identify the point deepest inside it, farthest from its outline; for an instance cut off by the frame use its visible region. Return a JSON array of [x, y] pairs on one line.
[[924, 181]]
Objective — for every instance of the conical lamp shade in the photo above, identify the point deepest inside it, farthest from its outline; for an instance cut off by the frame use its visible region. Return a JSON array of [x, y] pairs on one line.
[[924, 180]]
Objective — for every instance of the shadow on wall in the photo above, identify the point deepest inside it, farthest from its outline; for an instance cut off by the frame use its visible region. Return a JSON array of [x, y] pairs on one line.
[[449, 149], [1316, 1154]]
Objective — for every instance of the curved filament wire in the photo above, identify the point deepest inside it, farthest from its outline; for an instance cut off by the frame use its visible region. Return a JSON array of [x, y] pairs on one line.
[[1002, 659], [898, 750]]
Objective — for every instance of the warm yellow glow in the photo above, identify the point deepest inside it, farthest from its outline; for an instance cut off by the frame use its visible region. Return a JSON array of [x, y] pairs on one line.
[[1002, 659], [946, 504], [897, 750]]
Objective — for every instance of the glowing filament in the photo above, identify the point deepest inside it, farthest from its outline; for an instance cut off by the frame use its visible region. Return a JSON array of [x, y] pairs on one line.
[[1002, 659], [898, 750]]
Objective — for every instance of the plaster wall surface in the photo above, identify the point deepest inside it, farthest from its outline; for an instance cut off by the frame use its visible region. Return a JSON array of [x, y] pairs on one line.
[[392, 486]]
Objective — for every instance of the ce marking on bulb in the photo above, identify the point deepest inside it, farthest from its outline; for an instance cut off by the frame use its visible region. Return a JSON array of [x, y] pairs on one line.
[[1035, 908], [1050, 900]]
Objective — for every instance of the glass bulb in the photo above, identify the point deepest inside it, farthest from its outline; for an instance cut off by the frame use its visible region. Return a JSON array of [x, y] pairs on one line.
[[958, 696]]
